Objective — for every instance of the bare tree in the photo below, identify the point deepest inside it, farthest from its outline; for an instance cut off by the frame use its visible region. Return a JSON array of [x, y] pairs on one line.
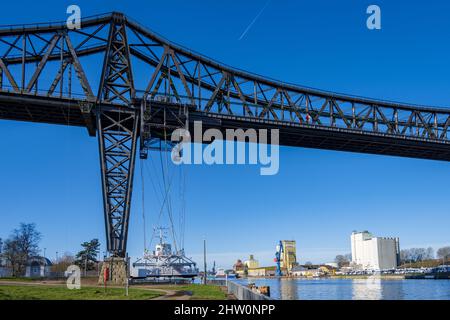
[[12, 255], [20, 246], [404, 256], [62, 263], [343, 260], [429, 254], [443, 253]]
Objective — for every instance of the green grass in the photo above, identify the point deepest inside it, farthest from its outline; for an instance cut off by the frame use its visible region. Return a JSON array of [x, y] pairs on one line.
[[199, 291], [20, 279], [30, 292]]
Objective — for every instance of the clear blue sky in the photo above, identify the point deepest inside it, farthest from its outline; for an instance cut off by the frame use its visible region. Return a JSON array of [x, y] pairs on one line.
[[51, 176]]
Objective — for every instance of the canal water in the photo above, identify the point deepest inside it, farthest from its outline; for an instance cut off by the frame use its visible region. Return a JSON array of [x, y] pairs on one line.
[[354, 289]]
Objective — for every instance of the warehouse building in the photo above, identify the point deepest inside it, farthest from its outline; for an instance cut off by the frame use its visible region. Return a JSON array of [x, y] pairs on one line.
[[289, 255], [251, 263], [375, 253]]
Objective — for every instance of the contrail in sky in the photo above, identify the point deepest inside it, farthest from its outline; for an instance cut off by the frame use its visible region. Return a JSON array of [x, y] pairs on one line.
[[254, 20]]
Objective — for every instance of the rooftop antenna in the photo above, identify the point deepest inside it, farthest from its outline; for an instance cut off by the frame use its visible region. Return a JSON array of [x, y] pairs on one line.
[[161, 235]]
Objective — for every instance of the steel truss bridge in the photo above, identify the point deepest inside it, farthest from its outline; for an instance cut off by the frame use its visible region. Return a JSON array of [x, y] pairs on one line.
[[131, 87]]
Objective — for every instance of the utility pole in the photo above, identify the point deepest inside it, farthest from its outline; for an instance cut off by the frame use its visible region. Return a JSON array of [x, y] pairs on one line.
[[127, 259], [204, 260], [98, 262]]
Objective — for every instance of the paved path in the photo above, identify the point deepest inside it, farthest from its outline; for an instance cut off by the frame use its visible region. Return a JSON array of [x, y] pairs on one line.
[[169, 294]]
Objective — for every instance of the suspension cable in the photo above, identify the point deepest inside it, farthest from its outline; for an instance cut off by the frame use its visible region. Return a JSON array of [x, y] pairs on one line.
[[143, 204], [169, 206]]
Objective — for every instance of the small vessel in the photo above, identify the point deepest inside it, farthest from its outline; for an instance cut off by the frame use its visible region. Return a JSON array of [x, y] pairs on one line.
[[221, 274], [163, 263]]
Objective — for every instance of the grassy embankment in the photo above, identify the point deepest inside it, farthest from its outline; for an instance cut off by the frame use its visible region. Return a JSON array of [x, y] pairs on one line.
[[425, 264], [56, 290], [41, 292], [20, 279]]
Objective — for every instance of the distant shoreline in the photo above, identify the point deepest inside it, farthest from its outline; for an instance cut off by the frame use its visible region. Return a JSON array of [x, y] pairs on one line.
[[360, 277]]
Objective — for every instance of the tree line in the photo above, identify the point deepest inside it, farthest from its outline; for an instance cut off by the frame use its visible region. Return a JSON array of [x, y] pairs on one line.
[[416, 255], [413, 255], [23, 244]]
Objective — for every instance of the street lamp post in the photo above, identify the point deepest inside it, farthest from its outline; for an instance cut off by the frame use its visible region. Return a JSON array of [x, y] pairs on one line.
[[204, 261]]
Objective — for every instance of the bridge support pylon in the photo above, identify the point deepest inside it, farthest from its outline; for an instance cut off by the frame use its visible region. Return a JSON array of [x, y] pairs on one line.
[[117, 136], [117, 130], [118, 270]]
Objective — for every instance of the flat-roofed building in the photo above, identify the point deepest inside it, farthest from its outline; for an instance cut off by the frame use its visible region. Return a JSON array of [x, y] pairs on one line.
[[251, 263], [376, 253]]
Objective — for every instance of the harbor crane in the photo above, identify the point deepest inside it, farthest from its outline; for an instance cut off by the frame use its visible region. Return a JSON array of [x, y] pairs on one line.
[[277, 259]]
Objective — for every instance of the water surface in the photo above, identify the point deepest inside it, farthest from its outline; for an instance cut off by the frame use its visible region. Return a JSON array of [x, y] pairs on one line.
[[354, 289]]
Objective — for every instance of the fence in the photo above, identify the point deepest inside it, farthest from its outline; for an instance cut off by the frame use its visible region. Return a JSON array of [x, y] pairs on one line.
[[5, 272], [217, 282], [243, 293]]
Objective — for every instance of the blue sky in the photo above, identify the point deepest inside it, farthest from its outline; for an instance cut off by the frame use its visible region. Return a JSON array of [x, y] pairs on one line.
[[51, 174]]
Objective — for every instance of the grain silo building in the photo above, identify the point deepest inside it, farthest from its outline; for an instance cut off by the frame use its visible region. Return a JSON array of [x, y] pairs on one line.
[[375, 253]]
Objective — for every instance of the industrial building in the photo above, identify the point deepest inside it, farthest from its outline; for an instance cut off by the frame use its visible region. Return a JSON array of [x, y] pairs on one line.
[[251, 263], [289, 255], [312, 271], [262, 272], [375, 253]]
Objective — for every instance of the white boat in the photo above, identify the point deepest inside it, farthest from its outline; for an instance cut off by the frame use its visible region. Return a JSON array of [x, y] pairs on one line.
[[220, 274], [163, 263]]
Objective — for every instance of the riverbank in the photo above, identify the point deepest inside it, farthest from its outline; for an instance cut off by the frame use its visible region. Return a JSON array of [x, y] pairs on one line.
[[376, 276], [444, 276], [17, 289]]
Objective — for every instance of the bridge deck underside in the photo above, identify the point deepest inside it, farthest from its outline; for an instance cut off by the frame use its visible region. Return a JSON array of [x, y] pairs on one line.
[[341, 140], [67, 112], [40, 109]]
